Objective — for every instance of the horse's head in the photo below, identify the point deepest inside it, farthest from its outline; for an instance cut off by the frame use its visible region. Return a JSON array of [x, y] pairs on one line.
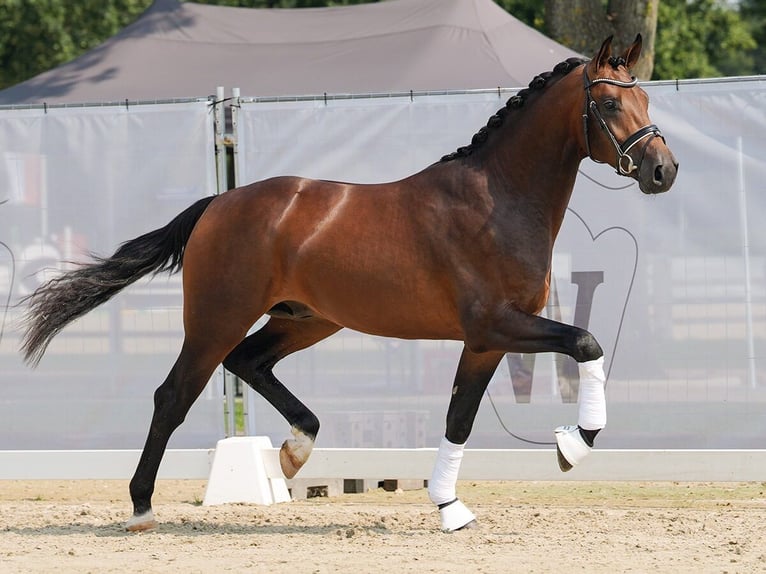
[[616, 122]]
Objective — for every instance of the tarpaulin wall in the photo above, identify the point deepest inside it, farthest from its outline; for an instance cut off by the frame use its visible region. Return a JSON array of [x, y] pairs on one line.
[[674, 287], [79, 180]]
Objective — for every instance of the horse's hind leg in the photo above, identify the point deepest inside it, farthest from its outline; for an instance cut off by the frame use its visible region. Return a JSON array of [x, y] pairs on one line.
[[172, 401], [253, 361], [473, 375]]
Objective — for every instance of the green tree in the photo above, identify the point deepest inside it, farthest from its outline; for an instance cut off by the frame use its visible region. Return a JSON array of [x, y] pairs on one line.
[[754, 13], [702, 38], [36, 35], [583, 24], [531, 12], [694, 37]]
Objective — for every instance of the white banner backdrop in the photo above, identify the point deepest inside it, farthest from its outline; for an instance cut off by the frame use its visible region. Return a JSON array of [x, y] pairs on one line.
[[80, 180], [674, 287]]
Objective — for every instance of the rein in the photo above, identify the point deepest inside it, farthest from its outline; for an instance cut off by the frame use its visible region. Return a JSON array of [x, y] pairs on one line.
[[625, 165]]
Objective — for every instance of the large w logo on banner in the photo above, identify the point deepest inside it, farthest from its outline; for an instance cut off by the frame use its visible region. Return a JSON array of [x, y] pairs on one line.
[[590, 288]]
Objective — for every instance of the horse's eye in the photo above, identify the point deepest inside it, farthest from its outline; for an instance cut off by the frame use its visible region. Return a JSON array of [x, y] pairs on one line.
[[610, 105]]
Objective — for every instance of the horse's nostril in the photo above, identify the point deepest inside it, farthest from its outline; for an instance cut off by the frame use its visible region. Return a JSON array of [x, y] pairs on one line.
[[658, 177]]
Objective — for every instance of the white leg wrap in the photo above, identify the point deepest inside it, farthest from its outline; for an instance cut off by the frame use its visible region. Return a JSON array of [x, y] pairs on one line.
[[441, 487], [592, 401]]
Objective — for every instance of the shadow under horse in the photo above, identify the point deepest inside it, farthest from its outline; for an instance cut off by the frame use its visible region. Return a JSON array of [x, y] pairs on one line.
[[461, 250]]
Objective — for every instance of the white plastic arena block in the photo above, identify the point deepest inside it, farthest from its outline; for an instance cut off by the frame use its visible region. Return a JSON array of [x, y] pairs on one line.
[[239, 475]]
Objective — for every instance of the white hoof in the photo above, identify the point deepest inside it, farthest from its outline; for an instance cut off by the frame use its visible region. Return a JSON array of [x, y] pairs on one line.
[[571, 448], [455, 516], [141, 522]]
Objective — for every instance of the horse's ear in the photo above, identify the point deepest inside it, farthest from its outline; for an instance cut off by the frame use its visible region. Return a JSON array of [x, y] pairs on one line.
[[632, 54], [604, 53]]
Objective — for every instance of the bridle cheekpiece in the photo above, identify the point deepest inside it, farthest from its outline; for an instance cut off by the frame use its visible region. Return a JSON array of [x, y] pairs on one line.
[[625, 165]]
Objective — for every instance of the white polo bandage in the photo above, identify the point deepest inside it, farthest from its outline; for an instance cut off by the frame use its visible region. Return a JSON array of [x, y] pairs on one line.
[[592, 401], [441, 487]]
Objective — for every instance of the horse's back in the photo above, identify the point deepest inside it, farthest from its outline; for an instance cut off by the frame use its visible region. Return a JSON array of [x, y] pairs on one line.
[[363, 256]]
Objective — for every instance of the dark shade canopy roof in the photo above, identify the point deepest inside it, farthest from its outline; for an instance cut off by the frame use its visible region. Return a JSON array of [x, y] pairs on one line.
[[177, 50]]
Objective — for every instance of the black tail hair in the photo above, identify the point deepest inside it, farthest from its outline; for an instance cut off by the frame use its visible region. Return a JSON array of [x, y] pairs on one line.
[[71, 295]]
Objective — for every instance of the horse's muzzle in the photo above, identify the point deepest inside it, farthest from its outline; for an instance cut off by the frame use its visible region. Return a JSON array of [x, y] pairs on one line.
[[657, 172]]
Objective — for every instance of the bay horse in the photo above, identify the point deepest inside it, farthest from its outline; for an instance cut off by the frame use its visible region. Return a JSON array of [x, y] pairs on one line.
[[461, 250]]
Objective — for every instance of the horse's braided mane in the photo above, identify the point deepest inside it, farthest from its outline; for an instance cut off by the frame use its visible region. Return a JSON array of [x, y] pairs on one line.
[[515, 102]]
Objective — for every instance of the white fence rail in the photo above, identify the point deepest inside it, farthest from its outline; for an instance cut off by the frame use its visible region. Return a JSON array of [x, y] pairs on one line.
[[363, 463]]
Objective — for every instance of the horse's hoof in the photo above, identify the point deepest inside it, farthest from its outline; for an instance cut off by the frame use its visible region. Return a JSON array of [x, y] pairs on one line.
[[455, 516], [287, 461], [141, 522], [295, 452], [563, 462], [570, 447], [470, 526]]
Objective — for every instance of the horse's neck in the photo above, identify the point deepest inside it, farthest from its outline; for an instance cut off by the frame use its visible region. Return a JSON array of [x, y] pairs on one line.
[[527, 166], [533, 162]]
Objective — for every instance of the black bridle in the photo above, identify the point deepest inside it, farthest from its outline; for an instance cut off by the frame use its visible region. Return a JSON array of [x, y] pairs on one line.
[[625, 165]]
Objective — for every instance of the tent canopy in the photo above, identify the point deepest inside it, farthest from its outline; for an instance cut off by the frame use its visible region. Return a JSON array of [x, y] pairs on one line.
[[179, 50]]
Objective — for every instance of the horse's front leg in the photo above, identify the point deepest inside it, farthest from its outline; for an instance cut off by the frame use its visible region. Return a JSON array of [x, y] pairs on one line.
[[574, 442], [516, 331], [473, 374]]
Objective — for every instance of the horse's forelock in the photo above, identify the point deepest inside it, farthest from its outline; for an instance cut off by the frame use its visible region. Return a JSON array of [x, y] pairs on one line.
[[617, 61]]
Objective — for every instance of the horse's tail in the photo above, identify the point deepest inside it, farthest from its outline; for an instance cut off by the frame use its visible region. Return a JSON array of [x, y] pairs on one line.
[[71, 295]]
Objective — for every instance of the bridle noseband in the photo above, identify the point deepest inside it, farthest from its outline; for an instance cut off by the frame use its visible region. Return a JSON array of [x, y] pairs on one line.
[[625, 165]]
